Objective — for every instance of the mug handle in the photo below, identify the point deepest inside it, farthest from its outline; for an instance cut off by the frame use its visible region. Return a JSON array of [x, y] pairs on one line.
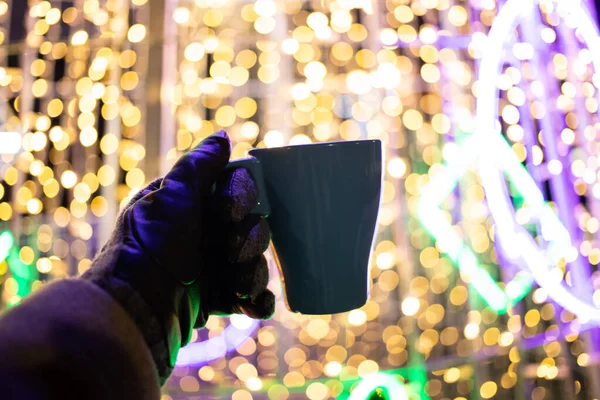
[[255, 168]]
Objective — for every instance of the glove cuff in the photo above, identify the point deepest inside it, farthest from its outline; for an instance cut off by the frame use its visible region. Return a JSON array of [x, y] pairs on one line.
[[102, 274], [145, 320]]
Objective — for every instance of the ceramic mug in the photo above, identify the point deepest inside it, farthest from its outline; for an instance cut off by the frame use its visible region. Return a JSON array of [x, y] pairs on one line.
[[321, 201]]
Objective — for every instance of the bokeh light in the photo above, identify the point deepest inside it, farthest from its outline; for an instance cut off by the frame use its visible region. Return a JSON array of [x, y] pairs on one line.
[[97, 121]]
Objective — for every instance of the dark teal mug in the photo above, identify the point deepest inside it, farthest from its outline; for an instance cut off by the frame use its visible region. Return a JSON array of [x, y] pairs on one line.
[[322, 202]]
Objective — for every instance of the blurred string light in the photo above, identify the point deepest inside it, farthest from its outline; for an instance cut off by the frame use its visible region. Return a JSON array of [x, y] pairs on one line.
[[274, 73], [78, 109]]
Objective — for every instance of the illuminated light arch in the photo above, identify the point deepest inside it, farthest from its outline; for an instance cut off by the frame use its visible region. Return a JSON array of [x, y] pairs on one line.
[[395, 389], [495, 157]]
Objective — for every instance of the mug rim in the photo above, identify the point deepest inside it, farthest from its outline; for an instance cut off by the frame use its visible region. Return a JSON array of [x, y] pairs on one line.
[[319, 144]]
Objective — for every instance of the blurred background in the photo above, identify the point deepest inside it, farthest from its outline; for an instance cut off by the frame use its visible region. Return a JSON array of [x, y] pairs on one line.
[[485, 281]]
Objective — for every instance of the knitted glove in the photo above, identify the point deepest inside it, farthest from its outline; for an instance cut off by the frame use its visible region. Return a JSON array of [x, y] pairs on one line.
[[186, 247]]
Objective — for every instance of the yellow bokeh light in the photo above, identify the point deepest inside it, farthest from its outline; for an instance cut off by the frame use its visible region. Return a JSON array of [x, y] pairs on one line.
[[212, 17], [457, 15], [27, 255], [488, 389], [264, 25], [317, 20], [225, 116], [430, 73], [268, 73], [5, 211], [357, 33], [91, 180], [135, 178], [68, 179], [129, 80], [403, 14], [51, 188], [136, 33], [194, 52], [357, 317], [290, 46], [412, 119], [367, 367], [39, 87], [81, 192], [254, 384], [127, 59], [44, 265], [79, 38], [358, 82], [181, 15], [407, 33], [274, 138], [317, 391], [88, 136], [410, 306], [109, 143], [245, 107], [333, 368], [55, 108], [300, 139], [99, 206], [34, 206], [315, 70], [249, 130]]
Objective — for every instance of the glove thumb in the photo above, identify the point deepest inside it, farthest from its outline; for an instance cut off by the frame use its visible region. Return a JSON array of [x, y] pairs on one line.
[[200, 168], [167, 222]]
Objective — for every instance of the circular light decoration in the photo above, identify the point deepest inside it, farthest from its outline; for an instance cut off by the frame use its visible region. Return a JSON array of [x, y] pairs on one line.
[[497, 158], [395, 389], [199, 353]]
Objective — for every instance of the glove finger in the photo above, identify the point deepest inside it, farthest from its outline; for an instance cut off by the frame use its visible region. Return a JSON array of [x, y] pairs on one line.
[[251, 278], [248, 238], [189, 182], [262, 307], [237, 194]]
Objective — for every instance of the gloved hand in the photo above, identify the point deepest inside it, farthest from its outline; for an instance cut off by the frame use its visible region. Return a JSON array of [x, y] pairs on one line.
[[187, 247]]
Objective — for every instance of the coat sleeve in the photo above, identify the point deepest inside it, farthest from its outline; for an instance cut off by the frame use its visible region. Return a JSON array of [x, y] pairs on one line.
[[72, 340]]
